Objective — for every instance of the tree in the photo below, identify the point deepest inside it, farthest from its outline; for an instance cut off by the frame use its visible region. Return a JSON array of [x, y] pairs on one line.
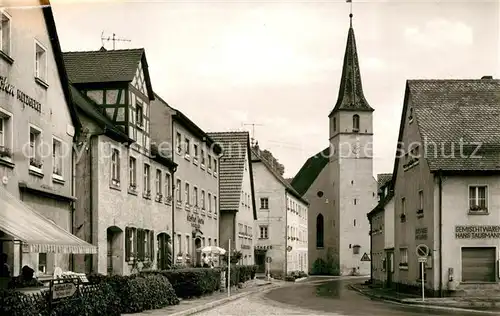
[[268, 156]]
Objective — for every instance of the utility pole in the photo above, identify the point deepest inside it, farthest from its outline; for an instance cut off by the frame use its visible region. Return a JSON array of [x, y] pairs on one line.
[[113, 38]]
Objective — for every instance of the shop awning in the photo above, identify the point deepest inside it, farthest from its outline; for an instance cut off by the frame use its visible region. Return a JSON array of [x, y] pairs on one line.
[[38, 233]]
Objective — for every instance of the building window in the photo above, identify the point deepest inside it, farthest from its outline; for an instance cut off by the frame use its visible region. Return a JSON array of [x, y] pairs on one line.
[[168, 193], [209, 162], [5, 136], [215, 205], [478, 198], [354, 223], [178, 190], [42, 263], [403, 210], [355, 123], [57, 159], [186, 193], [130, 243], [5, 39], [355, 249], [178, 142], [209, 202], [403, 257], [34, 149], [187, 147], [147, 181], [203, 199], [132, 173], [159, 187], [215, 165], [420, 211], [334, 124], [115, 167], [195, 196], [203, 158], [40, 62], [139, 114], [320, 231], [264, 203], [195, 153]]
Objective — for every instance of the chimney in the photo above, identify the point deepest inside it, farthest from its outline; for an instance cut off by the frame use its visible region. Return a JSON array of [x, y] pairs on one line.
[[487, 77]]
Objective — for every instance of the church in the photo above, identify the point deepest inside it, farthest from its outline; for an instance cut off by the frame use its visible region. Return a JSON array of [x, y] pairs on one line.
[[338, 181]]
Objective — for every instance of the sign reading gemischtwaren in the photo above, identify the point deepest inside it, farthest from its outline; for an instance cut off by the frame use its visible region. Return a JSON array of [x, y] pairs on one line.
[[477, 231]]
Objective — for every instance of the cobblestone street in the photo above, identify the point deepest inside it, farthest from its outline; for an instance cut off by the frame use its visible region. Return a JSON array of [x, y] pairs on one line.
[[331, 297]]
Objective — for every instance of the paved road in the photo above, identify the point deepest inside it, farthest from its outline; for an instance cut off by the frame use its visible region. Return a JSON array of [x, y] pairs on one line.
[[329, 298]]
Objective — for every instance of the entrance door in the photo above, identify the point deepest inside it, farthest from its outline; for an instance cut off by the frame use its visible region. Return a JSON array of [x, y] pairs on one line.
[[164, 252], [260, 261], [478, 264], [389, 268]]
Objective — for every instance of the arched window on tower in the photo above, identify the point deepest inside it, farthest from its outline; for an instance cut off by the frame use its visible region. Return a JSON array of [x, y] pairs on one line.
[[320, 236], [334, 124], [355, 123]]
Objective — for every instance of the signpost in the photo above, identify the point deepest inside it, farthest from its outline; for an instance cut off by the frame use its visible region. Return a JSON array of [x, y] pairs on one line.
[[229, 268], [422, 253], [63, 288]]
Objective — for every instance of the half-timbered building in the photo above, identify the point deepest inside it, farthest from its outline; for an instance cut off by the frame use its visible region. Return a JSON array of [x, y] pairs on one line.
[[124, 189]]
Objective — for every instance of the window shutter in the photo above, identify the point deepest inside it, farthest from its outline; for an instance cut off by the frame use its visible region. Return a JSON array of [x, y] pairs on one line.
[[127, 244], [136, 244], [152, 245]]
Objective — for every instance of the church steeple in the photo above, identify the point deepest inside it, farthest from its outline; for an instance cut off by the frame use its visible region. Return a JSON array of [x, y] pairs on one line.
[[351, 97]]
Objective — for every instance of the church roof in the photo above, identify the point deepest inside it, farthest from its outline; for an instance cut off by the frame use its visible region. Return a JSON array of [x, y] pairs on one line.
[[310, 171], [351, 96]]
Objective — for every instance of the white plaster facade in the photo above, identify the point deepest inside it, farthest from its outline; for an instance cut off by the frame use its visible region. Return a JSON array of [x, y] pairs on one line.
[[245, 219], [32, 101], [281, 222]]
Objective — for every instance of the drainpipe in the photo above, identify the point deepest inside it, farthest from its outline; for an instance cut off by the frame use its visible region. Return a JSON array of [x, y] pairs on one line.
[[174, 201], [440, 179], [286, 233], [371, 250]]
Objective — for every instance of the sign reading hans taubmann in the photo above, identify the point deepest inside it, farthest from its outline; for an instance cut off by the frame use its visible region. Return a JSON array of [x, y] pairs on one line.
[[477, 231]]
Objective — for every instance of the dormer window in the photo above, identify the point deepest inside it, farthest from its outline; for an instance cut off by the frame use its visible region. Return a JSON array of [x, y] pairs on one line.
[[355, 123], [410, 115]]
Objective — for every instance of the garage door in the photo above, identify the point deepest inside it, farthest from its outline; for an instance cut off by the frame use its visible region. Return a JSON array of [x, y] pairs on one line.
[[478, 264]]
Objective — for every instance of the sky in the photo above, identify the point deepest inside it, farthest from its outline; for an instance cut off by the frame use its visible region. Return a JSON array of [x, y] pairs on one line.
[[278, 63]]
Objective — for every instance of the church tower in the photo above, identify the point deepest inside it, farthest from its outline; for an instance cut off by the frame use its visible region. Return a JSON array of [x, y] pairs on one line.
[[351, 167]]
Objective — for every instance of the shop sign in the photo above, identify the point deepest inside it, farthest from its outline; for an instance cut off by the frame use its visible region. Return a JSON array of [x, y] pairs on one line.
[[477, 231], [421, 233], [196, 222], [25, 99]]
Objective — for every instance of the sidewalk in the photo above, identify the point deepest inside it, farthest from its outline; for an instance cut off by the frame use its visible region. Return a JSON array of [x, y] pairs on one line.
[[489, 305], [196, 305]]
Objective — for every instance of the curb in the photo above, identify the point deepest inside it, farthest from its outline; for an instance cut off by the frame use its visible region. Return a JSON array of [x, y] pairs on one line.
[[419, 304], [223, 301]]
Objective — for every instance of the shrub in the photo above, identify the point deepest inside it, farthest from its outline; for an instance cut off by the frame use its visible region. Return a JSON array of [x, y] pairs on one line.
[[241, 274], [137, 293], [290, 278], [191, 282], [14, 303]]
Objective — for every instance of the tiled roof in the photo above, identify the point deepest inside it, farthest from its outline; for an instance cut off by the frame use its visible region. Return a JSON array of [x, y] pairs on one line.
[[103, 65], [235, 149], [448, 111], [383, 179], [310, 171], [256, 157]]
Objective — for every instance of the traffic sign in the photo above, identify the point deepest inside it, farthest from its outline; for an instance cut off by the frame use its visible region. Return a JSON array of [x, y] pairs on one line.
[[289, 248], [422, 259], [422, 250], [365, 257], [269, 259]]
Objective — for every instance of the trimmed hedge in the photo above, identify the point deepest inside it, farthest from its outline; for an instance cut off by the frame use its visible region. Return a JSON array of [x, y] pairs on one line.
[[191, 282], [241, 274], [136, 293]]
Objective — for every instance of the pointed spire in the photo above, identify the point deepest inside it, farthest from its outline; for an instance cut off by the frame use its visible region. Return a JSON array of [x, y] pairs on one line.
[[351, 97]]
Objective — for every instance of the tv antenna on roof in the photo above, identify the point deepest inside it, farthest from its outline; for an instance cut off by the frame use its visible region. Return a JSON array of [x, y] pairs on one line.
[[112, 38], [253, 128]]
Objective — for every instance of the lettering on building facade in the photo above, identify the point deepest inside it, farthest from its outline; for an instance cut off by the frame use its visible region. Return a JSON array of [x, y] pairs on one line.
[[421, 233], [196, 222], [25, 99], [477, 231]]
